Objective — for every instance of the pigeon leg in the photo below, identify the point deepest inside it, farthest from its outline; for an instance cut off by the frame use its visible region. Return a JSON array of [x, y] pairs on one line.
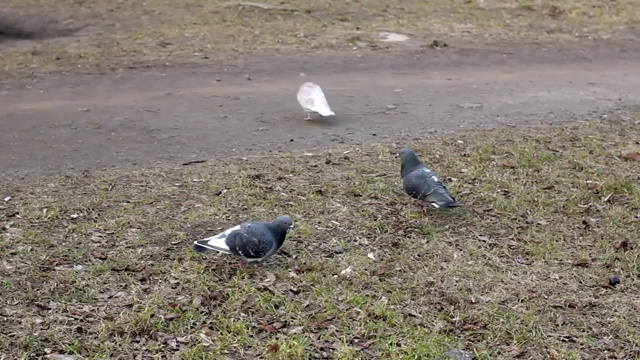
[[242, 265], [308, 117]]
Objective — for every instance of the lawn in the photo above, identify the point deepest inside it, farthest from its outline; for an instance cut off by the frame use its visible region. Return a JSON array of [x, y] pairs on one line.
[[98, 265], [124, 33]]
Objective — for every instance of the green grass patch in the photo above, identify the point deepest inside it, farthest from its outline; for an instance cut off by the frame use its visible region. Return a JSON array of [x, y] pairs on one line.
[[99, 265]]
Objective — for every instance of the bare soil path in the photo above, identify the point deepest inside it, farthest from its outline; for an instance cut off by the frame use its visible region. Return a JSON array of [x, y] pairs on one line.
[[181, 113]]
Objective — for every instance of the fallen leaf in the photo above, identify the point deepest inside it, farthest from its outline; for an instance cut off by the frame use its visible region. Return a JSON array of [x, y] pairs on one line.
[[523, 261], [507, 164], [208, 332], [528, 294], [273, 348], [295, 330], [382, 269], [267, 328], [144, 274], [482, 238], [325, 345], [571, 304], [99, 255], [163, 337], [583, 263], [632, 156], [55, 262], [170, 316], [468, 327], [320, 325], [622, 245], [270, 279], [212, 298], [303, 269], [206, 339], [594, 186], [516, 351]]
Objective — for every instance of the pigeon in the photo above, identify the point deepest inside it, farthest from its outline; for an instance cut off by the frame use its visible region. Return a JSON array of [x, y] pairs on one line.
[[423, 184], [311, 98], [251, 241]]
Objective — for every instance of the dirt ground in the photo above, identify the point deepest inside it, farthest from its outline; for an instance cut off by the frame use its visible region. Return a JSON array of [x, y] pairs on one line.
[[177, 113]]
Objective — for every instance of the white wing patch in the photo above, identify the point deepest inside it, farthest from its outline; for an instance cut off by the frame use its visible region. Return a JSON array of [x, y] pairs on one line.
[[430, 174], [218, 241]]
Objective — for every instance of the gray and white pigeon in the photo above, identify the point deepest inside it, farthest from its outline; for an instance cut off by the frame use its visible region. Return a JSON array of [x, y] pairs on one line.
[[423, 184], [251, 241], [312, 99]]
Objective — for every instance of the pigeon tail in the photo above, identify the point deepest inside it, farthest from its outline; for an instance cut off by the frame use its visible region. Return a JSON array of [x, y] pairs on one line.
[[325, 112], [199, 248], [320, 105], [446, 205], [211, 243]]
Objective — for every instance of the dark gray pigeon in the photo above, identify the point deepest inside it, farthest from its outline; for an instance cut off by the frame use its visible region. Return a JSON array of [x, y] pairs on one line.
[[251, 241], [423, 184]]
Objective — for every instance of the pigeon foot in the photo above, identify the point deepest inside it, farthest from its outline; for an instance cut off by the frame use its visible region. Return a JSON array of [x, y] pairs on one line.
[[242, 265]]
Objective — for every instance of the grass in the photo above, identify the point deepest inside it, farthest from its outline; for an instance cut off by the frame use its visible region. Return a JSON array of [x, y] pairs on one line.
[[99, 265], [121, 31]]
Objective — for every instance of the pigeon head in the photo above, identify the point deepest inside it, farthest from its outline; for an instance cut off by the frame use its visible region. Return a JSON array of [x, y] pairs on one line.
[[407, 156], [282, 223], [408, 161], [304, 78]]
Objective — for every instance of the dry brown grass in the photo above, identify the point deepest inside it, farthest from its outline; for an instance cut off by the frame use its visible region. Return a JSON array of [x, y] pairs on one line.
[[99, 265], [170, 30]]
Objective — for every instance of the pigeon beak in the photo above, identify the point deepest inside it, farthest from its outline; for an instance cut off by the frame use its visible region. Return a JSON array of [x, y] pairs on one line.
[[397, 156]]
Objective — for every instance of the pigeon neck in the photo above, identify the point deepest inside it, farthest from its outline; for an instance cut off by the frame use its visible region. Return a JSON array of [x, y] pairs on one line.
[[279, 235], [408, 166]]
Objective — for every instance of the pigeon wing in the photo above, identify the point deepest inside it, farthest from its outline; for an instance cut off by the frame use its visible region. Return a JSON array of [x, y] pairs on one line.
[[424, 184], [311, 98], [441, 197], [305, 96], [253, 241], [419, 183], [216, 242]]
